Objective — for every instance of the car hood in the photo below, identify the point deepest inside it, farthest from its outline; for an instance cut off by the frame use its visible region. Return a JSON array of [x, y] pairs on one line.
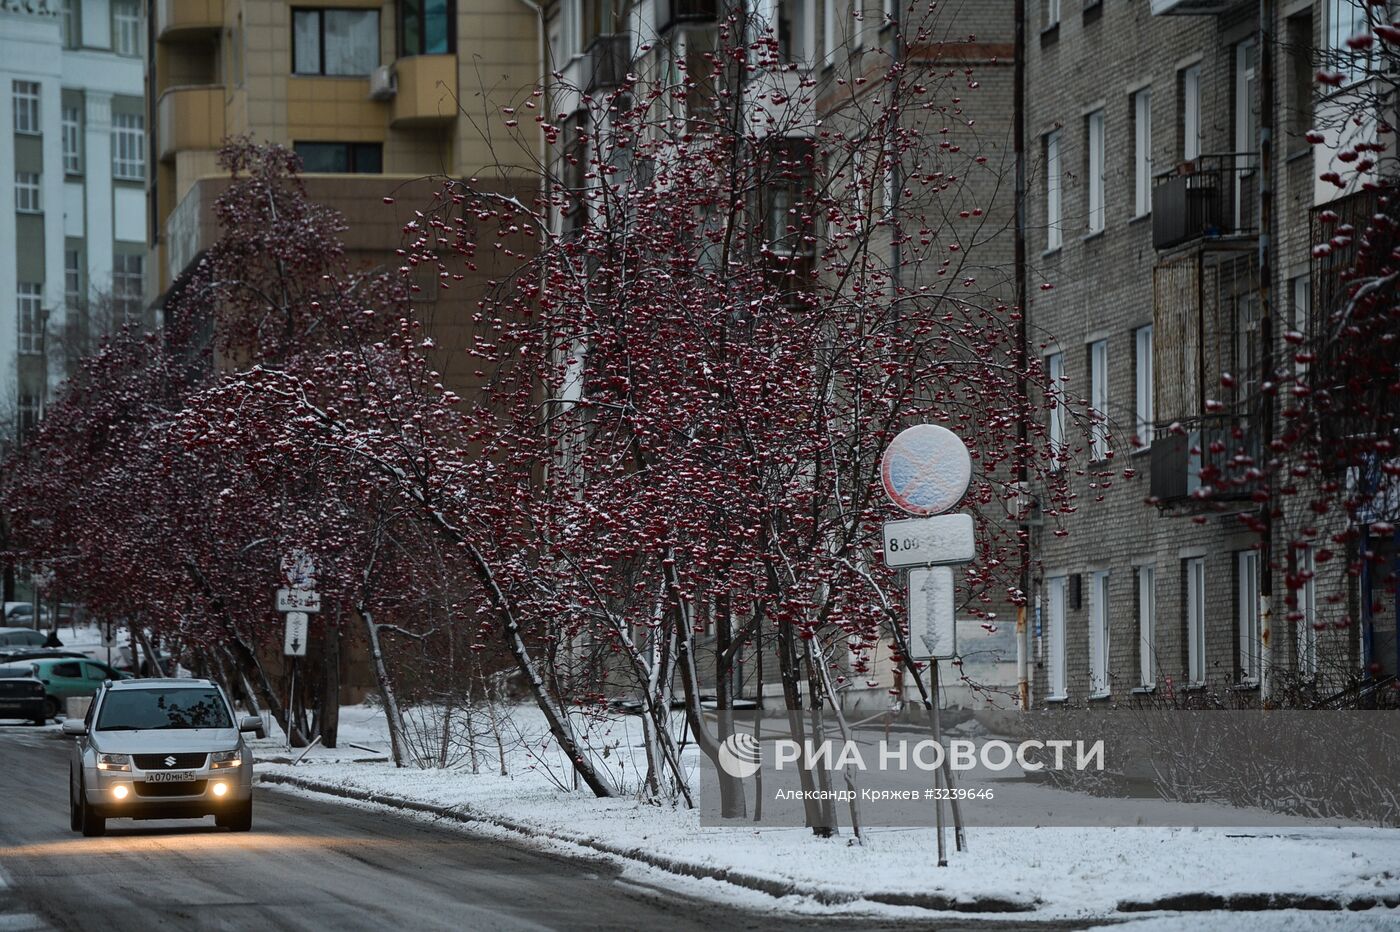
[[155, 742]]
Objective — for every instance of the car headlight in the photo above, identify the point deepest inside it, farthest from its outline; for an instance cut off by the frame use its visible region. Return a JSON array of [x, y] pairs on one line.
[[222, 760], [114, 762]]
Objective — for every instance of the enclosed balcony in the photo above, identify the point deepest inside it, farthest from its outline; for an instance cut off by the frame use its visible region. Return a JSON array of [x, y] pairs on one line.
[[425, 90], [1212, 197], [1194, 7], [190, 118], [1211, 457], [606, 62], [181, 20], [671, 13]]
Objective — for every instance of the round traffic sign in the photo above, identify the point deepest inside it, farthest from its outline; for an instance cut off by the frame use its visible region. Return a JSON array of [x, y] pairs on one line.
[[926, 469]]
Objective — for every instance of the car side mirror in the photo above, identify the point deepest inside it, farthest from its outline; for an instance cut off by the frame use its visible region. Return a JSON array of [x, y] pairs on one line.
[[75, 727], [250, 723]]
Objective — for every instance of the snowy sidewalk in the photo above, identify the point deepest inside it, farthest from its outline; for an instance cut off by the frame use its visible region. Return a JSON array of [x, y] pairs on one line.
[[1028, 873]]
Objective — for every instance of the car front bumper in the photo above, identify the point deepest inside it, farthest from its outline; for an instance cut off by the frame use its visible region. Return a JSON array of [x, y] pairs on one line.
[[144, 799]]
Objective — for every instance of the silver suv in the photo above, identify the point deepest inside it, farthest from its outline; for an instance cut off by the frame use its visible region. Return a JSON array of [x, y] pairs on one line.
[[160, 749]]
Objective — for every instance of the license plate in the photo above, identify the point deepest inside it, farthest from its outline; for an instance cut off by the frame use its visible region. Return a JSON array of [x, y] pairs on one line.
[[170, 776]]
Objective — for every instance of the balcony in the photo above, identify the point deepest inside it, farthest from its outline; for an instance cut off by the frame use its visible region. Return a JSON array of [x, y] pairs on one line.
[[1213, 197], [426, 91], [180, 20], [190, 118], [606, 62], [1193, 7], [671, 13], [1208, 458]]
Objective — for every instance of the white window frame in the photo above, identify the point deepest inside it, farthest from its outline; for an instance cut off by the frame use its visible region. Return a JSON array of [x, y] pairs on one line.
[[1191, 112], [1351, 64], [1147, 625], [1055, 375], [128, 147], [1052, 14], [29, 193], [29, 318], [1246, 77], [1095, 134], [25, 97], [1099, 685], [829, 37], [1301, 310], [72, 278], [1054, 236], [128, 287], [1057, 681], [1144, 379], [1247, 615], [857, 25], [126, 28], [72, 140], [1098, 400], [1142, 152], [1307, 613], [1196, 621]]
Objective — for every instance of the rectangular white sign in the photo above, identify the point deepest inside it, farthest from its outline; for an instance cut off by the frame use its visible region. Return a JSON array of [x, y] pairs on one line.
[[942, 540], [298, 600], [294, 638], [932, 625]]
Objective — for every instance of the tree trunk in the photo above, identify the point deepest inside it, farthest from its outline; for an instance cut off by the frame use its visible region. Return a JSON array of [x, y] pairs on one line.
[[398, 746], [330, 687]]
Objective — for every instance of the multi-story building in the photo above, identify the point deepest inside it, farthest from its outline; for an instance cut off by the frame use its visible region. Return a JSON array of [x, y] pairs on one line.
[[72, 200], [380, 99], [1145, 215]]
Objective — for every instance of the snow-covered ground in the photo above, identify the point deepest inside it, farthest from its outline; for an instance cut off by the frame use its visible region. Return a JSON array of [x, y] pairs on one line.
[[1061, 872]]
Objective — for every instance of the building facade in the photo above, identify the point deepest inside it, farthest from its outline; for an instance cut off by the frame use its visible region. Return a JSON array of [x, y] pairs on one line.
[[1145, 217], [72, 203]]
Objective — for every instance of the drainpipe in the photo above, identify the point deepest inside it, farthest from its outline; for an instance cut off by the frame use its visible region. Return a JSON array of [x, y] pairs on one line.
[[1266, 341], [543, 55], [1023, 530]]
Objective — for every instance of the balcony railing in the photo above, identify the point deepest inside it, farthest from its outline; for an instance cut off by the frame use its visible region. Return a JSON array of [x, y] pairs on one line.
[[1211, 197], [1207, 458], [674, 12]]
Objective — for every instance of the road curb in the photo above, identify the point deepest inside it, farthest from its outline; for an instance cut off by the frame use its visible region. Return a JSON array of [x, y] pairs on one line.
[[768, 885]]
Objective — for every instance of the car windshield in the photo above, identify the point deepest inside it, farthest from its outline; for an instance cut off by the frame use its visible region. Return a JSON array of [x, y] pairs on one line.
[[142, 709], [8, 673]]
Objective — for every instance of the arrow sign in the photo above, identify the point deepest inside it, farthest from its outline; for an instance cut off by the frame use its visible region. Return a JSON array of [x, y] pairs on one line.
[[932, 626], [294, 638]]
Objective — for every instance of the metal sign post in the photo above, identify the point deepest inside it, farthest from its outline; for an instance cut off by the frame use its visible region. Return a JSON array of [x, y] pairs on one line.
[[926, 470], [297, 600]]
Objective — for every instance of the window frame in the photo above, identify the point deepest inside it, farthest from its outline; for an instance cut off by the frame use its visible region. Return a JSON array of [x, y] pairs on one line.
[[32, 185], [72, 132], [124, 24], [1147, 625], [320, 14], [72, 278], [1251, 645], [127, 139], [402, 31], [1054, 192], [128, 287], [1099, 400], [28, 104], [351, 151], [29, 319], [1142, 152], [1055, 375], [1144, 386], [1056, 670], [1100, 619], [1191, 135], [1096, 138], [1306, 641], [1195, 572]]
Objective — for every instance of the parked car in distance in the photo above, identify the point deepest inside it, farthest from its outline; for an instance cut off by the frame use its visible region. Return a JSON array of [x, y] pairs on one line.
[[22, 637], [22, 695], [160, 749], [26, 654], [22, 614], [64, 677]]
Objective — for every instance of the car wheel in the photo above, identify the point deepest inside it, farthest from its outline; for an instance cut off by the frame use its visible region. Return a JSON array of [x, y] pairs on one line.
[[92, 823], [51, 707], [41, 721], [75, 815], [239, 820]]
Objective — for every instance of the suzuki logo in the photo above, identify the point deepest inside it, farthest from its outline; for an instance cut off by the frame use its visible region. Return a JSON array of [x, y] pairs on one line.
[[169, 761]]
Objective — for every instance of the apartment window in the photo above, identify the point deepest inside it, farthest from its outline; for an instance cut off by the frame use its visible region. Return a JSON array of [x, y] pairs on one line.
[[27, 192], [792, 30], [1147, 626], [1246, 120], [1196, 621], [1143, 379], [72, 278], [68, 23], [72, 141], [335, 42], [1096, 170], [126, 28], [30, 315], [857, 24], [1307, 612], [1191, 113], [1247, 613], [1055, 373], [127, 287], [1301, 294], [129, 146], [348, 157], [1050, 14], [1055, 662], [829, 38], [600, 18], [1345, 18], [28, 412], [25, 100], [1142, 152], [1301, 81], [1052, 190], [1098, 398], [1098, 635], [426, 27]]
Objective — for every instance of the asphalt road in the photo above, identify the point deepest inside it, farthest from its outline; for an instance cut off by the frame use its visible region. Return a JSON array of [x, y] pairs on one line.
[[309, 864]]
